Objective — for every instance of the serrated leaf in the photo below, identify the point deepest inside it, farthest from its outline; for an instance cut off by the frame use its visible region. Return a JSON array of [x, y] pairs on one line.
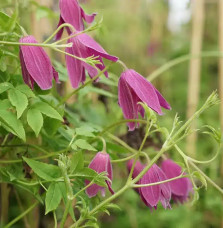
[[15, 125], [53, 197], [35, 120], [26, 90], [77, 162], [19, 100], [45, 171], [83, 144], [5, 86], [47, 110]]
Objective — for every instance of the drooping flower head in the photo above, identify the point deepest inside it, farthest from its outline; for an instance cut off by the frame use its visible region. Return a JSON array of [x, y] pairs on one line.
[[180, 188], [100, 163], [151, 195], [72, 13], [36, 65], [134, 88], [84, 46]]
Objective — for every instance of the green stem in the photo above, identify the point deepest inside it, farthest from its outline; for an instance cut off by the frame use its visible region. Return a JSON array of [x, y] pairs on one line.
[[57, 30], [34, 44], [65, 213], [206, 177], [21, 215], [182, 59], [84, 85], [55, 219], [160, 182]]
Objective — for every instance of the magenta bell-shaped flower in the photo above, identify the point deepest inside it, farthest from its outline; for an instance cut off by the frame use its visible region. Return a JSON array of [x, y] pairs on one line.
[[151, 195], [36, 65], [134, 88], [84, 46], [100, 163], [72, 13], [180, 188]]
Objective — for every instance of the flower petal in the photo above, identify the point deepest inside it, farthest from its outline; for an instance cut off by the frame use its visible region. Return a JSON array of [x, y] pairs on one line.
[[162, 101], [128, 102], [89, 18], [37, 63], [95, 47], [70, 11], [143, 88], [60, 33]]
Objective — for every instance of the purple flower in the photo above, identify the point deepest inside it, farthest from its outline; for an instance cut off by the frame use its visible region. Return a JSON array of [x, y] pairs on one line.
[[72, 13], [134, 88], [180, 188], [151, 195], [100, 163], [84, 46], [36, 65]]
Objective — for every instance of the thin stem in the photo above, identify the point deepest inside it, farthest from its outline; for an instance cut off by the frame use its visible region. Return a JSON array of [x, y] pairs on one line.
[[182, 59], [103, 142], [122, 64], [83, 189], [65, 213], [57, 30], [160, 182], [35, 44], [22, 215], [206, 177], [55, 219], [124, 159], [84, 85]]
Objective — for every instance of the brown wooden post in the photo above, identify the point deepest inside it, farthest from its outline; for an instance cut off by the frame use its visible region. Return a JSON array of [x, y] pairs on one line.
[[195, 69]]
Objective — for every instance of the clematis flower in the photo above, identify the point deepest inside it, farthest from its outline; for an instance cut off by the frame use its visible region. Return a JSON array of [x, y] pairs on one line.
[[72, 13], [36, 65], [180, 188], [151, 195], [134, 88], [100, 163], [84, 46]]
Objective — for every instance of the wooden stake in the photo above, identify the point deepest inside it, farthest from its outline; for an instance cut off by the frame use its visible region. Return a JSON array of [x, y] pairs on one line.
[[194, 69]]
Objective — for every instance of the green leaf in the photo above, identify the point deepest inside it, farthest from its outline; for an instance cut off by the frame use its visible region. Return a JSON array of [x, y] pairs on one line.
[[83, 144], [26, 90], [47, 110], [77, 162], [53, 197], [15, 125], [45, 171], [5, 86], [85, 131], [35, 120], [5, 104], [19, 100]]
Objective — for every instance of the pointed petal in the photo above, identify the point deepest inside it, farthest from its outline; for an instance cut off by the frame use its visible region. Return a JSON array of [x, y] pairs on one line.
[[96, 49], [162, 101], [37, 63], [60, 33], [128, 102], [151, 194], [94, 189], [143, 88], [56, 75], [171, 169], [26, 76], [89, 18], [71, 13], [74, 66]]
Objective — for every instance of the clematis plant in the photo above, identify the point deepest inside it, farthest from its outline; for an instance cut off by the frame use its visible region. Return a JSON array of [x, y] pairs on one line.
[[47, 143]]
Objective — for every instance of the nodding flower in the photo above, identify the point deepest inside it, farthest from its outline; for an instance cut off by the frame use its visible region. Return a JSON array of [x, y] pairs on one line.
[[36, 65], [100, 163], [134, 88], [180, 188], [72, 13], [151, 195], [84, 46]]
